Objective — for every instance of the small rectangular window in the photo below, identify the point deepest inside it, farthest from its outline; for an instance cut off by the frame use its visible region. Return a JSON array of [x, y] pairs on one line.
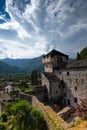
[[56, 91], [60, 73], [59, 86], [68, 73], [63, 86], [75, 100], [75, 88], [68, 101], [64, 94]]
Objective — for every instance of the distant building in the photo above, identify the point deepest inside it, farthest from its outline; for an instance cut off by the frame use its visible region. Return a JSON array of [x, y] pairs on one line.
[[3, 99], [64, 80], [9, 89]]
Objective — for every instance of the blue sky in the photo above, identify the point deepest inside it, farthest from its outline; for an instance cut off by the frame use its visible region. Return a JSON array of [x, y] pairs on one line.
[[30, 28]]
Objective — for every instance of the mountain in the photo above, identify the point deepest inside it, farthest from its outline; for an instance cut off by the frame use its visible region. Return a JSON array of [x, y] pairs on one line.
[[27, 65], [35, 63], [17, 62], [7, 69]]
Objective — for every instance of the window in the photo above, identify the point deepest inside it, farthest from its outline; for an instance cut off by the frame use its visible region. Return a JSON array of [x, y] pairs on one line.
[[59, 86], [56, 91], [64, 94], [75, 88], [44, 85], [75, 100], [68, 101], [60, 73], [68, 73], [63, 86]]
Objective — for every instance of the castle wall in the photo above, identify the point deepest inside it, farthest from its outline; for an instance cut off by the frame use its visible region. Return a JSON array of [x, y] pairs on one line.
[[46, 84], [53, 88], [75, 85], [56, 91], [38, 92], [72, 75], [51, 117]]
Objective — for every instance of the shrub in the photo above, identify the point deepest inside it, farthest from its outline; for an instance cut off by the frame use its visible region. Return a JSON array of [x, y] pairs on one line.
[[22, 116], [76, 123], [81, 109], [3, 117], [2, 126]]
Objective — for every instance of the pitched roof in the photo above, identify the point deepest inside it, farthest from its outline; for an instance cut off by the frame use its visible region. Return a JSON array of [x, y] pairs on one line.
[[77, 64], [51, 77], [55, 52]]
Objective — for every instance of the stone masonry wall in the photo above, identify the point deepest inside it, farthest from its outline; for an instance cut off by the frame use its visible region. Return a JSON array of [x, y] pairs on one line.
[[75, 84], [38, 92], [46, 83], [56, 91], [54, 122]]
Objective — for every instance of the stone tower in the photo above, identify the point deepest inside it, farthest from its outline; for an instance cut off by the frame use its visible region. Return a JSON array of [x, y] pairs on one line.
[[54, 60]]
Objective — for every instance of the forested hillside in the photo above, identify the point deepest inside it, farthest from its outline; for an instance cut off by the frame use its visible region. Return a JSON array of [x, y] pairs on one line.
[[7, 69], [35, 63], [82, 55]]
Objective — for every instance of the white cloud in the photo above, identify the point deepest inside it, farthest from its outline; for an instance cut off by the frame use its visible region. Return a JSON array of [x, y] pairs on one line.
[[48, 24], [20, 50]]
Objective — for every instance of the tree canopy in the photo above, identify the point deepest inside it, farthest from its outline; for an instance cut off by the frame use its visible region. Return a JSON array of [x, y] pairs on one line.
[[22, 116], [34, 77], [82, 55]]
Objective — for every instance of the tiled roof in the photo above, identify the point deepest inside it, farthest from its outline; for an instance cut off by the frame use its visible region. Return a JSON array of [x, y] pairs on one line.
[[77, 64], [51, 77], [55, 52]]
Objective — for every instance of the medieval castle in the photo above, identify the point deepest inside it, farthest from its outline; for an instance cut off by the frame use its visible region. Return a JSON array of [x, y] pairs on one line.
[[64, 81]]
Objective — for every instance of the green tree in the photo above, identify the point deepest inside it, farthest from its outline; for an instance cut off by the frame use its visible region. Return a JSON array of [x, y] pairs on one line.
[[2, 126], [22, 116], [82, 55], [78, 56], [34, 77]]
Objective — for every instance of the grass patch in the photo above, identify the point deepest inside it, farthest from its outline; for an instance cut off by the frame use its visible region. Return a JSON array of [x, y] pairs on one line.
[[76, 123], [26, 89]]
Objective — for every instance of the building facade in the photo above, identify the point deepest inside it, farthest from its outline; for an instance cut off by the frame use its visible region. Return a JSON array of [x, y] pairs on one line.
[[54, 60], [71, 78]]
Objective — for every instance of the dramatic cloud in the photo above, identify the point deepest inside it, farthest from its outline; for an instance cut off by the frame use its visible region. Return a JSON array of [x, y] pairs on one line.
[[35, 27]]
